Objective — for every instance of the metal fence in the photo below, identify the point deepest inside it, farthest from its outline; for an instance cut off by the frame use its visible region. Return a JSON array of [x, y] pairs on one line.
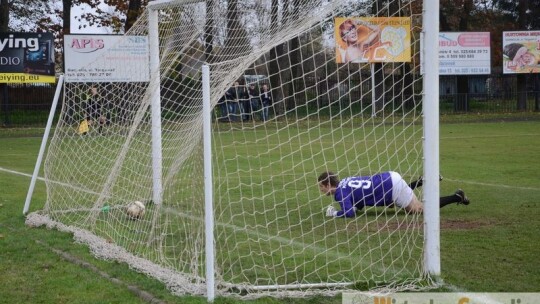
[[489, 103], [29, 105], [25, 104]]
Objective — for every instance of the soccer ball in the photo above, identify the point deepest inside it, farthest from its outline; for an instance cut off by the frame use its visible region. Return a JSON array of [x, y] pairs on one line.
[[135, 210]]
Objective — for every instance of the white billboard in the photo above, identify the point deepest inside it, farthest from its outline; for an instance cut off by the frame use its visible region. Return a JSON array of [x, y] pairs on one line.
[[106, 58], [464, 53]]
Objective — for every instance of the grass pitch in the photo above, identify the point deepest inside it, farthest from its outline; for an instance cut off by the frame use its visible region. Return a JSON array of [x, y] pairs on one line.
[[488, 246]]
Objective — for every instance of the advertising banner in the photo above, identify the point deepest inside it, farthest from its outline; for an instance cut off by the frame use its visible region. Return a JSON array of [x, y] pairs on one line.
[[442, 298], [466, 53], [106, 58], [372, 39], [27, 58], [521, 52]]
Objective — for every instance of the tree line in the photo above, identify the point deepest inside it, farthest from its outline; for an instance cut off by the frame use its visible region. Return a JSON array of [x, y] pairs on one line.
[[494, 16]]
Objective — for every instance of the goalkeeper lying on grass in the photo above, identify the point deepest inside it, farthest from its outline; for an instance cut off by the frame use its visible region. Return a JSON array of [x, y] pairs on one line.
[[383, 189]]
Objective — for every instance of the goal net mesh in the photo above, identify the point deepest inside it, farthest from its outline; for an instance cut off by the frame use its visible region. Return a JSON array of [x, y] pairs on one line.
[[354, 109]]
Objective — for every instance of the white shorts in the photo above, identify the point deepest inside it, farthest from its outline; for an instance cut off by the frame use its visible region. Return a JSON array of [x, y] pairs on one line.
[[402, 194]]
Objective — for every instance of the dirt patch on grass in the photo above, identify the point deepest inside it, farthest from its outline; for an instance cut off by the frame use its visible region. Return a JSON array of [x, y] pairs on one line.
[[463, 224]]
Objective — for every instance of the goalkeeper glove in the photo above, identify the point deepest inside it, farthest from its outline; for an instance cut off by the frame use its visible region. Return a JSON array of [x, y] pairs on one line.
[[331, 211]]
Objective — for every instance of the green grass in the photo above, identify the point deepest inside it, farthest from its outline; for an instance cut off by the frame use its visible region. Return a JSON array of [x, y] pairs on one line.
[[489, 246]]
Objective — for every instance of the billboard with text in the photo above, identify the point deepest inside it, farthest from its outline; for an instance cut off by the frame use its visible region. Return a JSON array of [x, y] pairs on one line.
[[521, 52], [27, 58], [106, 58], [464, 53]]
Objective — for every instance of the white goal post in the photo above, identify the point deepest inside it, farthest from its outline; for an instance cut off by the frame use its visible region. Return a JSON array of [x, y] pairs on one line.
[[432, 263], [228, 171]]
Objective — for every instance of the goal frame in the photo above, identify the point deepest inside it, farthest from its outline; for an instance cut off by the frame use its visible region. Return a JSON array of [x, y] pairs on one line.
[[429, 51]]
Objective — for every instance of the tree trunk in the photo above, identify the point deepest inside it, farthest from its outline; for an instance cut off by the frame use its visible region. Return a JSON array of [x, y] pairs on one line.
[[134, 8], [462, 100], [521, 92], [66, 27], [461, 103], [5, 104], [403, 86], [295, 58], [522, 78], [4, 16], [275, 53], [378, 75], [236, 42], [66, 16], [208, 30], [295, 53], [536, 92], [4, 21]]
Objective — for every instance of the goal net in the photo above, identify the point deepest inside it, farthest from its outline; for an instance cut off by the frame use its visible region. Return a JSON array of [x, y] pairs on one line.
[[345, 95]]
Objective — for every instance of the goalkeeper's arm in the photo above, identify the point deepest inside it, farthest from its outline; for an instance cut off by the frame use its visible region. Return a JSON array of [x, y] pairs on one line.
[[331, 211], [347, 210]]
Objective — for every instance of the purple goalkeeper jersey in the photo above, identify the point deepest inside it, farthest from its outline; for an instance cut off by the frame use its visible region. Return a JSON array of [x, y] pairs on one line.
[[360, 191]]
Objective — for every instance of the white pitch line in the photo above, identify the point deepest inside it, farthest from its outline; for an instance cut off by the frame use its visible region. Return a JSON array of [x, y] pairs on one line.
[[18, 173], [446, 179], [491, 185], [488, 136], [51, 181]]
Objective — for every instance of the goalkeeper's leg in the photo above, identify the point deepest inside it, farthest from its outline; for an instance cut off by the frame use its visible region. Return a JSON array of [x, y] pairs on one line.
[[458, 197], [420, 182], [417, 183]]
